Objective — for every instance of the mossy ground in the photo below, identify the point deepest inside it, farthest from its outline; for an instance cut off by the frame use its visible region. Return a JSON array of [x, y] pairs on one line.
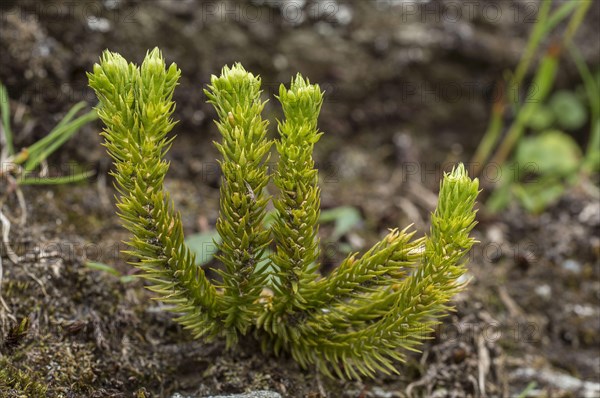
[[530, 313], [90, 334]]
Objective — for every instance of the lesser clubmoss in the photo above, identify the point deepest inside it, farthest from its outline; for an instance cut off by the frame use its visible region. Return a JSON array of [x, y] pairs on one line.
[[352, 323]]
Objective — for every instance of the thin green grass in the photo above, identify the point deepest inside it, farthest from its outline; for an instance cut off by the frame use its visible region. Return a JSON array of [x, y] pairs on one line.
[[543, 81], [5, 109], [28, 159]]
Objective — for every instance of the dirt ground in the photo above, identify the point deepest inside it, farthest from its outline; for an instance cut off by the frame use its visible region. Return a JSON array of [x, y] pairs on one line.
[[408, 93]]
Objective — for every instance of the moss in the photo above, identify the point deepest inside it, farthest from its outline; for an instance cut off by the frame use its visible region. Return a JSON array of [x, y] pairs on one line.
[[15, 382], [58, 366]]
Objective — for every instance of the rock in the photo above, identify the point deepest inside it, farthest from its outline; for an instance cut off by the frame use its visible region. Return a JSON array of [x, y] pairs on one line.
[[590, 214]]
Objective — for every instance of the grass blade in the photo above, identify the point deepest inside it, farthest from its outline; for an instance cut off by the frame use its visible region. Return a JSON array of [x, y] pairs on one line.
[[58, 136], [5, 110], [59, 180]]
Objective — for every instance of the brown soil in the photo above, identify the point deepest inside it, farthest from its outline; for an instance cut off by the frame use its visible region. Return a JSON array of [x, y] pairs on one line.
[[530, 314]]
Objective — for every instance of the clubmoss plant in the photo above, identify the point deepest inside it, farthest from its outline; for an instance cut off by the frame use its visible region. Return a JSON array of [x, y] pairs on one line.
[[349, 324]]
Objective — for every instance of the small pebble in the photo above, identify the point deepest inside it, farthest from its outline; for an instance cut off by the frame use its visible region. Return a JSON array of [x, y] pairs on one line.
[[590, 214], [495, 234], [98, 24], [544, 291], [572, 266]]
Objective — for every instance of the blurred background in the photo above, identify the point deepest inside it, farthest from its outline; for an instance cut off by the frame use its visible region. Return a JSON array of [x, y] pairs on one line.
[[510, 88]]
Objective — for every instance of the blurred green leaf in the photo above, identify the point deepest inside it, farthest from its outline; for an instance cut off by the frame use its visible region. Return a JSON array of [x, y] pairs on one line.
[[102, 267], [568, 109], [110, 270], [345, 248], [552, 152], [270, 217], [530, 387], [591, 83], [204, 245], [500, 197], [538, 195], [266, 265], [592, 156], [542, 119], [344, 218]]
